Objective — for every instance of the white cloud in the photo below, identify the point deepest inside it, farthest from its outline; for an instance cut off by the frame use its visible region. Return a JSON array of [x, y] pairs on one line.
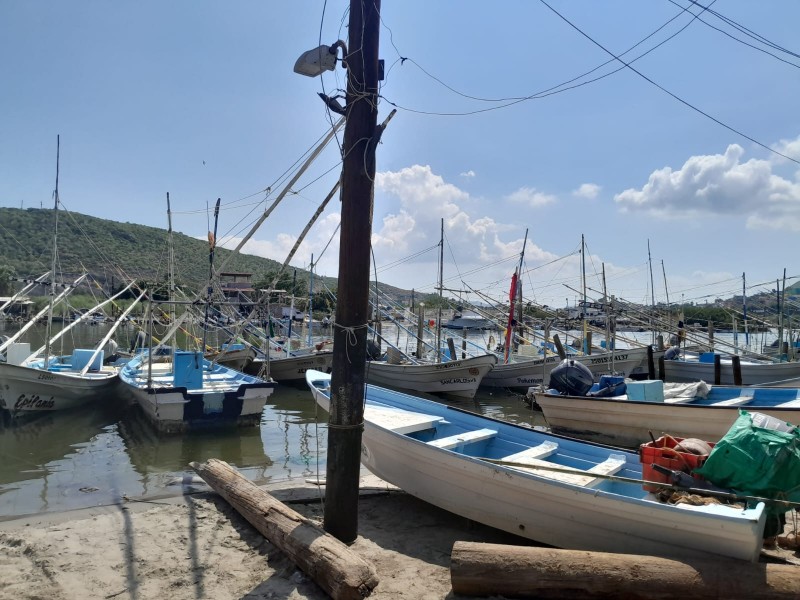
[[279, 247], [719, 184], [474, 243], [469, 173], [789, 148], [531, 197], [587, 190]]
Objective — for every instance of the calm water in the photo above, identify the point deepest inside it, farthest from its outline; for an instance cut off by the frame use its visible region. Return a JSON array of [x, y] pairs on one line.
[[103, 453]]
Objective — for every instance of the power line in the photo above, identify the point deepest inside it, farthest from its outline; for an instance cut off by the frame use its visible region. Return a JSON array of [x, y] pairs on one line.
[[665, 90]]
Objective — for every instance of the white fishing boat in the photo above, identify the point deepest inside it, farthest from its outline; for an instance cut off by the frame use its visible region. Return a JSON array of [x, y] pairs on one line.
[[652, 408], [291, 369], [235, 356], [469, 320], [181, 390], [61, 385], [460, 377], [754, 372], [551, 489], [522, 374], [38, 381]]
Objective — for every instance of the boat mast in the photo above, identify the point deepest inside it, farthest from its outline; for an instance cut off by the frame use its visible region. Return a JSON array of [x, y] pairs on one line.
[[519, 287], [652, 293], [441, 295], [212, 243], [288, 344], [310, 299], [781, 304], [171, 258], [53, 267], [666, 291], [744, 312], [583, 282], [609, 343]]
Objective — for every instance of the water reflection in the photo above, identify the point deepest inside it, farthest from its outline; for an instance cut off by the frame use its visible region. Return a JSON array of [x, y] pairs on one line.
[[107, 452]]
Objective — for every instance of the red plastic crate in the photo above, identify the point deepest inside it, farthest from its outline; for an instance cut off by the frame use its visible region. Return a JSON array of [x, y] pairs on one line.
[[662, 452]]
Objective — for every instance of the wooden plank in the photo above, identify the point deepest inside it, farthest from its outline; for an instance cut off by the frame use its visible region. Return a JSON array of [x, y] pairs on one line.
[[401, 421], [580, 477], [466, 437], [543, 450]]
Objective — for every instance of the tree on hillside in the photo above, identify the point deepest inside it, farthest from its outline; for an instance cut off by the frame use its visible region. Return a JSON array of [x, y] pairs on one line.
[[7, 274], [286, 282]]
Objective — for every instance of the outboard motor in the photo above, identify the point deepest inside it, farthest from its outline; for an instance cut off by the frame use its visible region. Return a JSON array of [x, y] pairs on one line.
[[571, 378], [373, 350]]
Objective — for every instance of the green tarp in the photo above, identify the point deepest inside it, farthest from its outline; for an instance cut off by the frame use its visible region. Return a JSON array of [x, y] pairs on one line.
[[759, 456]]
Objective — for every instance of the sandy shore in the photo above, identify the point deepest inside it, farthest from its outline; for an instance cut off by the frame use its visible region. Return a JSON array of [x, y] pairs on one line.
[[196, 546]]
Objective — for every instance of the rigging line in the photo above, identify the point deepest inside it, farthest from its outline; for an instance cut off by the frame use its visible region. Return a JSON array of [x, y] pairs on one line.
[[335, 231], [748, 32], [91, 242], [733, 37], [665, 90], [25, 247], [405, 259], [555, 89], [453, 256]]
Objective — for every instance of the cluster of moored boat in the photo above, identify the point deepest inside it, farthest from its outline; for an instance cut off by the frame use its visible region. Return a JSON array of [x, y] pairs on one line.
[[561, 487]]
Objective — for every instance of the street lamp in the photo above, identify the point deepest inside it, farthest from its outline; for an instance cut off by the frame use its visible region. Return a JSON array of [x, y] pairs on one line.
[[323, 58]]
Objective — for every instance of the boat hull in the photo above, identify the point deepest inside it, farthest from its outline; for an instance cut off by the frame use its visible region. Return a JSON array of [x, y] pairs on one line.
[[536, 371], [543, 509], [291, 369], [26, 389], [237, 359], [224, 397], [684, 371], [630, 423], [459, 378]]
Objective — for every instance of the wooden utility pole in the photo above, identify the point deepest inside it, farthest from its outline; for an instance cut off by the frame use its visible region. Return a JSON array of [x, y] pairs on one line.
[[352, 306]]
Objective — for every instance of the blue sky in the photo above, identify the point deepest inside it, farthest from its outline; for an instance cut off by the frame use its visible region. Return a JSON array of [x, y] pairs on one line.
[[199, 99]]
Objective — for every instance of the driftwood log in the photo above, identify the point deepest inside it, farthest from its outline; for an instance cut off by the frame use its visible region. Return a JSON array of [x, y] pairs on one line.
[[527, 572], [338, 570]]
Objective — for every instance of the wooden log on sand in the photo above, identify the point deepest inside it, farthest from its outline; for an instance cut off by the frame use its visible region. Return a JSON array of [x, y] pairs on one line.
[[529, 572], [339, 571]]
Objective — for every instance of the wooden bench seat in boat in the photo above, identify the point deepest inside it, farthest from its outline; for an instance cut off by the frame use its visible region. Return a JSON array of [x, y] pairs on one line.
[[744, 398], [585, 478], [401, 421], [465, 437], [543, 450]]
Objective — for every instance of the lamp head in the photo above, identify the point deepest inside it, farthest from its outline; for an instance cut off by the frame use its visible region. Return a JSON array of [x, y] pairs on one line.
[[316, 61]]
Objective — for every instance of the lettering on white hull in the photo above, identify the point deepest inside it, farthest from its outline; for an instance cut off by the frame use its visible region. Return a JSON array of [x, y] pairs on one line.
[[34, 402], [457, 380]]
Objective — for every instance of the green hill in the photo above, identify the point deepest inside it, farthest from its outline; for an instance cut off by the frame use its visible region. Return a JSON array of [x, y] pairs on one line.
[[112, 252]]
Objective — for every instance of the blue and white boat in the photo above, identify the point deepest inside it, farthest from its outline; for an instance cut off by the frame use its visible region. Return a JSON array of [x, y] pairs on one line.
[[551, 489], [181, 390], [695, 410]]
